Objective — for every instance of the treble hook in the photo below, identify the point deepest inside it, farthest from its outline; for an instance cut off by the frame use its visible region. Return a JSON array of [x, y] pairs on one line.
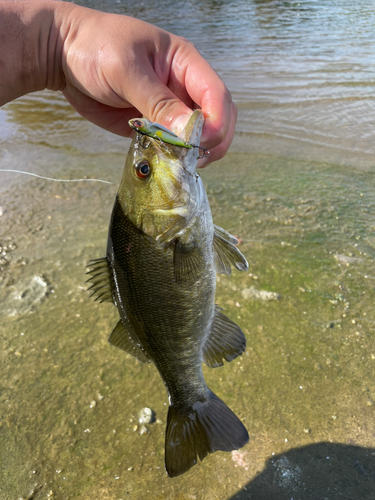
[[140, 139], [205, 153]]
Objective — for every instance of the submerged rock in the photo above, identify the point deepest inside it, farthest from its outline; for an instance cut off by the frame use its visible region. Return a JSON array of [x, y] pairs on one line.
[[26, 295], [346, 259], [146, 416], [253, 294], [287, 473]]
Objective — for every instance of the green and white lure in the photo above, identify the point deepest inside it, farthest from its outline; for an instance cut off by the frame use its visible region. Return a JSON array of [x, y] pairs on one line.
[[156, 131]]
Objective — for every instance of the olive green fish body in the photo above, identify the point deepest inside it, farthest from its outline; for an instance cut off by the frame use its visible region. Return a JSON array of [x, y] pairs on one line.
[[163, 254], [169, 318]]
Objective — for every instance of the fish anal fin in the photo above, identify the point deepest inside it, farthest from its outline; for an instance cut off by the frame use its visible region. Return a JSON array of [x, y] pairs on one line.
[[121, 337], [101, 280], [225, 341], [226, 253], [188, 262], [195, 432]]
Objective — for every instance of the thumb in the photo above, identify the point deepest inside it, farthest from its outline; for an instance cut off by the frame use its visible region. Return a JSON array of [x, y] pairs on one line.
[[157, 102]]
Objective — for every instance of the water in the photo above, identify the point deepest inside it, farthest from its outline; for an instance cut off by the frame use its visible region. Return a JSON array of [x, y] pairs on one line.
[[297, 187]]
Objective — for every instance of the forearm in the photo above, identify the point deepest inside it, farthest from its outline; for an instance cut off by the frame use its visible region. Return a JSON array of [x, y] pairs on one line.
[[30, 47]]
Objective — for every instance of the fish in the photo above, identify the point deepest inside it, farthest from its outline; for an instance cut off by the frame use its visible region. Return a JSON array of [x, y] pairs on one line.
[[163, 253]]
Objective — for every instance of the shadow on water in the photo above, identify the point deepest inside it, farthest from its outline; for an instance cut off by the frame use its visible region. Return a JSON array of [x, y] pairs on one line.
[[324, 471]]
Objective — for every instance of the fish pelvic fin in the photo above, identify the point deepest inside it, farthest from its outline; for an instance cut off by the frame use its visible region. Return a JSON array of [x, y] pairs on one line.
[[226, 253], [193, 433], [123, 338], [101, 281], [225, 341]]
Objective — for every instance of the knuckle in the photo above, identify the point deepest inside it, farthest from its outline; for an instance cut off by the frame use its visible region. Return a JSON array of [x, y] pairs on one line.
[[187, 44], [161, 108]]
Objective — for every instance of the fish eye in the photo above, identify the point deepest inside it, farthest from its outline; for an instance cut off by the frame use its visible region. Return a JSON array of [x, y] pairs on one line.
[[143, 169], [137, 124]]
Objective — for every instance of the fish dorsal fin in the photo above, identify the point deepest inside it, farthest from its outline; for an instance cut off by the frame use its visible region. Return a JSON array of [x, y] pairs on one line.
[[226, 253], [225, 341], [123, 338], [188, 262], [101, 281]]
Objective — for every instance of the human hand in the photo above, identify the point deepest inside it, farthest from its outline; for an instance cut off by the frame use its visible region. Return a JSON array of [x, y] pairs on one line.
[[115, 68]]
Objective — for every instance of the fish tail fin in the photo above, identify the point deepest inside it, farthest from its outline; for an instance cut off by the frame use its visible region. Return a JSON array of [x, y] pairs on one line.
[[207, 426]]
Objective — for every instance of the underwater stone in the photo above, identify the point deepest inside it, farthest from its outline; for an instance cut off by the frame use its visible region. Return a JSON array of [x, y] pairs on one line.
[[143, 430], [146, 416], [27, 295], [253, 294]]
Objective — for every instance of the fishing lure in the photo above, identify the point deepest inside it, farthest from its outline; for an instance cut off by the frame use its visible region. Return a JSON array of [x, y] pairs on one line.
[[158, 132]]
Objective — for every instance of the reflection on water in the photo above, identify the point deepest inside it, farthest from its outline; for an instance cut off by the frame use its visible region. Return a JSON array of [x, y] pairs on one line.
[[297, 188], [301, 72]]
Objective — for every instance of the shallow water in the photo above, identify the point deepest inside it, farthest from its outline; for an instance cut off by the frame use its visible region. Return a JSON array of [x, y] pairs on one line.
[[297, 187]]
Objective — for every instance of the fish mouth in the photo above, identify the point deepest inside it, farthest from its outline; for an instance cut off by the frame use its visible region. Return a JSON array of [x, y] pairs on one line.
[[191, 135]]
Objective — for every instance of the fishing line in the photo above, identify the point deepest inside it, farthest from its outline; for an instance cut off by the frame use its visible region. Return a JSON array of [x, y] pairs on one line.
[[51, 179]]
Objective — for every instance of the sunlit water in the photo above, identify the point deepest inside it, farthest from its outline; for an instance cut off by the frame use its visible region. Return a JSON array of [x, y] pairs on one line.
[[297, 187]]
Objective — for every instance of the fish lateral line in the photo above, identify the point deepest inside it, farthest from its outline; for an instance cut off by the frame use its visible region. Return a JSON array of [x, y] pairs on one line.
[[51, 178]]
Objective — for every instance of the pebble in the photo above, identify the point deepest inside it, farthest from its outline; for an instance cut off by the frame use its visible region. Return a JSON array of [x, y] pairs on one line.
[[146, 416], [26, 295], [143, 430]]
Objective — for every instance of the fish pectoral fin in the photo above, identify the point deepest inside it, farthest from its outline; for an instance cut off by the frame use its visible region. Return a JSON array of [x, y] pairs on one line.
[[122, 338], [188, 262], [101, 281], [224, 234], [225, 341], [226, 253]]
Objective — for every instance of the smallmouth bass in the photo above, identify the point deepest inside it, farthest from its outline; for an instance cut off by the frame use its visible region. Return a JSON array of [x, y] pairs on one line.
[[163, 254]]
